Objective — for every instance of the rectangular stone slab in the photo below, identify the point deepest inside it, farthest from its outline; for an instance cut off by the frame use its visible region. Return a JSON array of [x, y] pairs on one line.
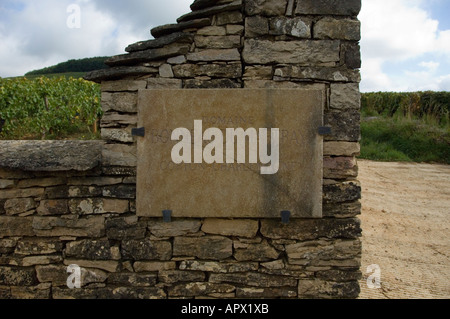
[[231, 190]]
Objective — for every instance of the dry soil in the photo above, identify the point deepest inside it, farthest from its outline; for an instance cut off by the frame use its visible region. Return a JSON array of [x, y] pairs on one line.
[[405, 222]]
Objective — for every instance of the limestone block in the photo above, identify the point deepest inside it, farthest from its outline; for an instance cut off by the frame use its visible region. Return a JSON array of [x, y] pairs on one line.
[[256, 26], [256, 252], [211, 55], [56, 227], [92, 250], [164, 83], [176, 228], [231, 17], [12, 276], [16, 226], [146, 249], [342, 192], [208, 247], [149, 266], [345, 125], [341, 148], [254, 279], [311, 229], [133, 280], [293, 52], [16, 206], [231, 227], [263, 293], [345, 96], [121, 102], [212, 70], [175, 276], [117, 135], [123, 86], [296, 27], [38, 246], [328, 7], [328, 289], [119, 155], [265, 7], [122, 228], [212, 30], [199, 289], [219, 267], [340, 167], [218, 42], [165, 71], [340, 29]]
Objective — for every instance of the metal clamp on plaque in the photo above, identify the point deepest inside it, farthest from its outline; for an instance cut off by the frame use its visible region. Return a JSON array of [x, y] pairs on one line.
[[167, 216], [138, 132], [325, 130]]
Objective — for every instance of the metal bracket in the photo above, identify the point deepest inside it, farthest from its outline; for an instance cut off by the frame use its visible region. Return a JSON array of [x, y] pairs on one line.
[[138, 131], [167, 216], [325, 130], [285, 216]]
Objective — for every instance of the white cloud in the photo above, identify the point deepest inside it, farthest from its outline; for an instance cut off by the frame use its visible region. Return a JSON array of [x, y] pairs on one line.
[[36, 34], [395, 31]]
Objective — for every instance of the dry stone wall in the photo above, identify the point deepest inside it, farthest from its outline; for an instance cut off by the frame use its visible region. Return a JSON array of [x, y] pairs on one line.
[[72, 203]]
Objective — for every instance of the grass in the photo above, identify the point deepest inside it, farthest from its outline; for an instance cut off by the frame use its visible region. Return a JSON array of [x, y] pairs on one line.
[[405, 140]]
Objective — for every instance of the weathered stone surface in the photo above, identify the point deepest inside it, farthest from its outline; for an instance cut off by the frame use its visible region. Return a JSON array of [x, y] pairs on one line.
[[119, 155], [56, 274], [261, 293], [208, 247], [295, 52], [16, 206], [89, 206], [16, 226], [351, 55], [318, 73], [6, 183], [213, 70], [107, 265], [175, 276], [92, 250], [211, 55], [83, 191], [232, 17], [114, 119], [50, 155], [125, 228], [177, 60], [325, 253], [342, 210], [341, 29], [178, 37], [339, 275], [41, 260], [146, 249], [212, 30], [256, 26], [17, 276], [328, 7], [149, 266], [265, 7], [345, 96], [327, 289], [7, 245], [247, 192], [121, 102], [162, 83], [120, 72], [123, 86], [133, 280], [256, 252], [345, 125], [39, 292], [309, 229], [41, 182], [38, 246], [117, 135], [53, 207], [55, 227], [127, 191], [231, 227], [177, 27], [296, 27], [176, 228], [148, 55], [254, 279], [342, 192], [109, 293], [340, 167], [341, 148], [218, 42], [202, 4], [233, 29], [258, 72], [207, 12], [199, 289], [219, 267], [211, 84]]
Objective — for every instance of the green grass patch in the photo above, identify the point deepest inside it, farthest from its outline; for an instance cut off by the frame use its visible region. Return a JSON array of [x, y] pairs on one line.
[[403, 139]]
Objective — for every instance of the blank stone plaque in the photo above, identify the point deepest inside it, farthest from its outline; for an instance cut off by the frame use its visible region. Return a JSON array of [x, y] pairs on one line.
[[236, 190]]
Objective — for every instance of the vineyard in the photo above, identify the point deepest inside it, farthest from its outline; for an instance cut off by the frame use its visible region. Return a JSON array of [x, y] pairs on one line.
[[49, 108]]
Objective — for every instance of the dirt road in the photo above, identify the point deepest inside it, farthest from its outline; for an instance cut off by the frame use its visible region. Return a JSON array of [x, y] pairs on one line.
[[406, 221]]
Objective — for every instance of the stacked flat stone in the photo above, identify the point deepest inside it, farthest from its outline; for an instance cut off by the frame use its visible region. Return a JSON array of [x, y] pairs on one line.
[[54, 213]]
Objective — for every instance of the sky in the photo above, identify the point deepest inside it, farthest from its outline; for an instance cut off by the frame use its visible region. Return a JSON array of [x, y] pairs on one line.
[[405, 43]]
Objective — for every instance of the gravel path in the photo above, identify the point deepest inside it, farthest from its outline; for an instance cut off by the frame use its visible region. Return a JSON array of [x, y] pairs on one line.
[[406, 221]]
